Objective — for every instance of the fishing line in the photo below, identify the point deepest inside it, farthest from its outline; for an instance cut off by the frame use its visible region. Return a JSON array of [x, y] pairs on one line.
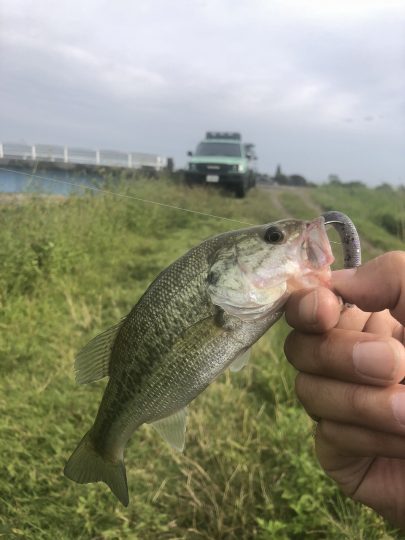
[[122, 195]]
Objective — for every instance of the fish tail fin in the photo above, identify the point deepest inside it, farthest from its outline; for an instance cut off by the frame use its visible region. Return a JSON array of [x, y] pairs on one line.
[[86, 465]]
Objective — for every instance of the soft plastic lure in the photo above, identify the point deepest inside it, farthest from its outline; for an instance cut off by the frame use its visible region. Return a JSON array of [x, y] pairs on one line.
[[348, 235]]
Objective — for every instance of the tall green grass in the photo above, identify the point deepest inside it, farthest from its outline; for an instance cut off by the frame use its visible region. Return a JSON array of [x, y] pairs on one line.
[[379, 213], [68, 269]]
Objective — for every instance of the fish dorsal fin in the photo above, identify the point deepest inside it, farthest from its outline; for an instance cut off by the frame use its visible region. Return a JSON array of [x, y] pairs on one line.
[[92, 361], [173, 429], [240, 361]]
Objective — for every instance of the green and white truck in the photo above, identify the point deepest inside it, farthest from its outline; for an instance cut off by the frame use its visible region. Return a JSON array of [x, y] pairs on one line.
[[222, 159]]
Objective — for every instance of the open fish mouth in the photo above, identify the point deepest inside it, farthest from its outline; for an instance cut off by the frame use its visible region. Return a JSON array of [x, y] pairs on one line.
[[316, 245]]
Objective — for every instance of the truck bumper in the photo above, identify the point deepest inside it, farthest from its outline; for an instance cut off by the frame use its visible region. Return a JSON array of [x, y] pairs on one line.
[[225, 180]]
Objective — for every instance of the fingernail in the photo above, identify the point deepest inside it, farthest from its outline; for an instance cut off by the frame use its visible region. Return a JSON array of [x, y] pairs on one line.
[[375, 359], [398, 407], [308, 307]]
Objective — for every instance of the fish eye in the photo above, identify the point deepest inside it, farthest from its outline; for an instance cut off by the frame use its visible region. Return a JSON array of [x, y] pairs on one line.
[[274, 235]]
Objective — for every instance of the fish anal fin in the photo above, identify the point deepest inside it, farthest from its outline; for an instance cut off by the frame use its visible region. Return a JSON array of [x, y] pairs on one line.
[[240, 361], [92, 362], [173, 429]]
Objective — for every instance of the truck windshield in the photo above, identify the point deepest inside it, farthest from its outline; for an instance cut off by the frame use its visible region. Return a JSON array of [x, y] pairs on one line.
[[218, 149]]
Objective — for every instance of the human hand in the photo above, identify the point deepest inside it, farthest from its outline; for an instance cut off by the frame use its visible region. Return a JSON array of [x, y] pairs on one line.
[[350, 365]]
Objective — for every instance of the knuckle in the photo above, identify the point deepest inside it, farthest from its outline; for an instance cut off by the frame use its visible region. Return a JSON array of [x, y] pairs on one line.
[[289, 345], [304, 391], [304, 352], [298, 350], [354, 396], [395, 259], [392, 263], [301, 387], [327, 431], [325, 351]]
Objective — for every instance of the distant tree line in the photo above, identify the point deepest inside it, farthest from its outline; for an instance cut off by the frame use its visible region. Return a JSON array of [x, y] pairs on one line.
[[333, 179], [285, 180], [291, 180]]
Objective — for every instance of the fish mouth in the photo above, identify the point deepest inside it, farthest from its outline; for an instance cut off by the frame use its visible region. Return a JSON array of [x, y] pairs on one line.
[[317, 249]]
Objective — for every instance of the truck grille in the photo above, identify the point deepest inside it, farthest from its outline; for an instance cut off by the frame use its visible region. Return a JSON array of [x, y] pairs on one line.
[[213, 169]]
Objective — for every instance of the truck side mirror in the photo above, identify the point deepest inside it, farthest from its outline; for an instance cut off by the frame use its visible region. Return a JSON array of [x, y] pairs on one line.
[[189, 153]]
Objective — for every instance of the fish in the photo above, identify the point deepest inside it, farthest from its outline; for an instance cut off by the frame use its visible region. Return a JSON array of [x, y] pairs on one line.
[[199, 317]]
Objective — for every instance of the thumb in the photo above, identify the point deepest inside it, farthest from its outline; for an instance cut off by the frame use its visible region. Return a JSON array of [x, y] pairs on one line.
[[378, 285]]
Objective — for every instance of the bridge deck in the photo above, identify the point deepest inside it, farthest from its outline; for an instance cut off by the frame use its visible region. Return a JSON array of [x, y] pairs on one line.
[[80, 156]]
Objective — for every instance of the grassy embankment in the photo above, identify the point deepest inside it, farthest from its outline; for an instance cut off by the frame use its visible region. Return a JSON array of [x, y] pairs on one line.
[[69, 269]]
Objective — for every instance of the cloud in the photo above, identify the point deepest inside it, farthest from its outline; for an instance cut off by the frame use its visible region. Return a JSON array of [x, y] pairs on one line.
[[152, 75]]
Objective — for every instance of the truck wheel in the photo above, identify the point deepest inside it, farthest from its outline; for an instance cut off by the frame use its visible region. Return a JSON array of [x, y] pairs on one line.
[[240, 190], [188, 180]]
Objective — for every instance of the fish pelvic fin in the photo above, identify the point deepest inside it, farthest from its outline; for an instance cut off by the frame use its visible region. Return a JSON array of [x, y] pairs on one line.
[[240, 361], [86, 465]]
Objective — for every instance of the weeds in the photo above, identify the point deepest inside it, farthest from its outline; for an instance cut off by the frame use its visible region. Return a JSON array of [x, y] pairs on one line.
[[71, 267]]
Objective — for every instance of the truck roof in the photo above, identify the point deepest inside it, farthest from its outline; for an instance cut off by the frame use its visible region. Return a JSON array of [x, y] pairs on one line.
[[223, 136]]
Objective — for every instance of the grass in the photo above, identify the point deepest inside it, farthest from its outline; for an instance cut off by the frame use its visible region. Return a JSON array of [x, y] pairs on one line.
[[71, 267], [379, 213]]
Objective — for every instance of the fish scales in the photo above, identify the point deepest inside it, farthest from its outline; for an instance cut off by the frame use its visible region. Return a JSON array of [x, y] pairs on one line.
[[200, 316], [148, 346]]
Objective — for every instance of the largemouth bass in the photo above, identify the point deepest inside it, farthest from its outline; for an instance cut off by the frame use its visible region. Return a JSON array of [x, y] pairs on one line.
[[199, 317]]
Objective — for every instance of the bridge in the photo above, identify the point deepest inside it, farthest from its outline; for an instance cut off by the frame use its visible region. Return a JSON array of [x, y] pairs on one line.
[[68, 157]]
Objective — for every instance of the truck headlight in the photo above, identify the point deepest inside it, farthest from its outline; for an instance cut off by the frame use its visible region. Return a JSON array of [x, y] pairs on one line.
[[241, 167]]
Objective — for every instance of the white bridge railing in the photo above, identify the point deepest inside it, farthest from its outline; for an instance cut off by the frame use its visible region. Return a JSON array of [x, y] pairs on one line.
[[81, 156]]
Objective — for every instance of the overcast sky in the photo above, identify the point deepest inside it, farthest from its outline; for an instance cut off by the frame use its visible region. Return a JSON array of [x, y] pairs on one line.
[[318, 85]]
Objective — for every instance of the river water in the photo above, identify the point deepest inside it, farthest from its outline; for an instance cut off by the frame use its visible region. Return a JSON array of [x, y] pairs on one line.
[[46, 182]]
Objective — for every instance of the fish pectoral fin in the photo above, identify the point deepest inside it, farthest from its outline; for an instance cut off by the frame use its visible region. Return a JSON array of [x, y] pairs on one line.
[[240, 361], [173, 429], [92, 362]]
